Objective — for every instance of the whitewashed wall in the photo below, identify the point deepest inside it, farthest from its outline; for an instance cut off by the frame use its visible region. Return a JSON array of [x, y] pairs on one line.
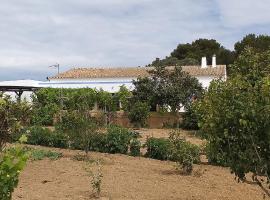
[[107, 84], [111, 85]]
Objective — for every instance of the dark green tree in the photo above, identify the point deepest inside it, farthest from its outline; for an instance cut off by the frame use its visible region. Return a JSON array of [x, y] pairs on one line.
[[191, 54], [167, 87], [260, 43], [234, 116]]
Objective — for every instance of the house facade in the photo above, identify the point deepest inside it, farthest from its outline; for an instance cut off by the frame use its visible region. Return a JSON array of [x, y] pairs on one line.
[[110, 79]]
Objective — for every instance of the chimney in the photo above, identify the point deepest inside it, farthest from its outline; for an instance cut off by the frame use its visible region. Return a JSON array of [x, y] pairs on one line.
[[204, 62], [214, 61]]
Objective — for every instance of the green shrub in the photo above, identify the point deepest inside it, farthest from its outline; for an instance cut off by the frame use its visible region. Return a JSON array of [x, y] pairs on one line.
[[183, 152], [98, 142], [190, 119], [235, 116], [12, 161], [40, 154], [158, 148], [215, 155], [139, 113], [118, 140], [135, 147], [80, 127], [175, 149], [38, 135]]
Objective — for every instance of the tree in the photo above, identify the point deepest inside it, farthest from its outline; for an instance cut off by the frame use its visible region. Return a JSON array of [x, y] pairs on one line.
[[139, 113], [191, 54], [234, 116], [167, 87], [80, 127], [260, 43]]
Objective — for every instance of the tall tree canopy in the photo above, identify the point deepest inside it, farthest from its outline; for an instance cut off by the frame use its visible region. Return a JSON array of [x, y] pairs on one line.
[[260, 43], [234, 116], [167, 87], [191, 54]]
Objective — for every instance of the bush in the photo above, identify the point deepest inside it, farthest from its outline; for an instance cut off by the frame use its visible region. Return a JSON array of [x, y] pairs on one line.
[[40, 154], [98, 142], [183, 152], [80, 127], [158, 148], [12, 161], [135, 147], [190, 119], [235, 116], [38, 135], [118, 140], [175, 149], [138, 114]]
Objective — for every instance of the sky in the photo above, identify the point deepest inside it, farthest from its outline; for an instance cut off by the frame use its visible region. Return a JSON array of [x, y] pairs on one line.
[[35, 34]]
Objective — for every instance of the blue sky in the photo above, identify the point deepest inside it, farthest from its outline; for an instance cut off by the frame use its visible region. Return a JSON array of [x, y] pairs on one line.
[[109, 33]]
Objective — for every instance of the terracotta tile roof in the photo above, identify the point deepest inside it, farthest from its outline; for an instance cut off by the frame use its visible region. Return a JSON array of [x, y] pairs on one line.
[[80, 73]]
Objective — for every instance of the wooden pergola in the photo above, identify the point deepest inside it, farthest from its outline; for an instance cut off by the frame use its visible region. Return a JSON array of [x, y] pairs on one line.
[[18, 90]]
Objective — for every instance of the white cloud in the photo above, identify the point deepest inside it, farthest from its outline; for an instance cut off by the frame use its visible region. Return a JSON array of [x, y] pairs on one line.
[[38, 33], [243, 13]]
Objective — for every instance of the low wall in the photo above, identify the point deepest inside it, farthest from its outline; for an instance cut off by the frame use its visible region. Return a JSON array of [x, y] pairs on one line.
[[155, 120]]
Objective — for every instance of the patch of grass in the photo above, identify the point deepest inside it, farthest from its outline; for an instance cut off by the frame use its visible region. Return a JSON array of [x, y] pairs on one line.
[[40, 154]]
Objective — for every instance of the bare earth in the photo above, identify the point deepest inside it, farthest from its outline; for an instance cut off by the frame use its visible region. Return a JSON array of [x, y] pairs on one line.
[[125, 178]]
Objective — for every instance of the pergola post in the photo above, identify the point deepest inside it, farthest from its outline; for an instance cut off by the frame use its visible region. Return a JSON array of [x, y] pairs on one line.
[[19, 95]]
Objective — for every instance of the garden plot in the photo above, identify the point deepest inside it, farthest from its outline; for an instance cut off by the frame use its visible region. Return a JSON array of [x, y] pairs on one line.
[[126, 177]]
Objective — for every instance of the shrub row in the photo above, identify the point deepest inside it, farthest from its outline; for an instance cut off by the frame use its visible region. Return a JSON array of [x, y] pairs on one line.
[[174, 148], [115, 140]]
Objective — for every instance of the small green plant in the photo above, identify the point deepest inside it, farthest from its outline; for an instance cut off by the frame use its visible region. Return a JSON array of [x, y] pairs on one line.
[[184, 153], [12, 161], [135, 147], [40, 154], [97, 179], [80, 127], [158, 148], [139, 113], [118, 140]]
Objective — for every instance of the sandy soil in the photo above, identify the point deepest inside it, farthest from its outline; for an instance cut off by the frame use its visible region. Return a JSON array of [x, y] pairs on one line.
[[164, 133], [125, 178]]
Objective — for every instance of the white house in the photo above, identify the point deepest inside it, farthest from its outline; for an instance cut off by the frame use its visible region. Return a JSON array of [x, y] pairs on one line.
[[108, 79]]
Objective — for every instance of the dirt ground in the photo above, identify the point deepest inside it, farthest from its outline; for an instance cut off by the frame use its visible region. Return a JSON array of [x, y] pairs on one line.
[[128, 178], [164, 133]]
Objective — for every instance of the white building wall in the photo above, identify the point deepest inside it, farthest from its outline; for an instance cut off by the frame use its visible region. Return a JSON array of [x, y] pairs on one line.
[[107, 84], [111, 85], [205, 80]]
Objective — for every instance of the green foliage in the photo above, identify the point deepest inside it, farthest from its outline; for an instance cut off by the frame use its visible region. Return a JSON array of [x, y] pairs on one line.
[[158, 148], [118, 140], [252, 66], [46, 102], [260, 43], [167, 87], [123, 96], [44, 114], [38, 135], [135, 147], [80, 127], [234, 118], [11, 118], [12, 161], [98, 142], [183, 152], [40, 154], [191, 54], [138, 114], [190, 119], [175, 148], [173, 61]]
